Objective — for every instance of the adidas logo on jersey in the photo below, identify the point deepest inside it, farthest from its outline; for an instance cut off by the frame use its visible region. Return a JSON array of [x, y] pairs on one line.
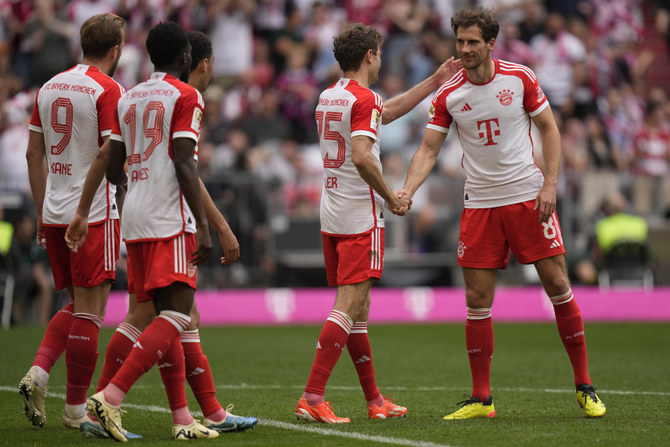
[[466, 108], [555, 244]]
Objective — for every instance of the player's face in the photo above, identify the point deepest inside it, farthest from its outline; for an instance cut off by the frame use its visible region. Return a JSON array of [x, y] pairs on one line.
[[471, 47]]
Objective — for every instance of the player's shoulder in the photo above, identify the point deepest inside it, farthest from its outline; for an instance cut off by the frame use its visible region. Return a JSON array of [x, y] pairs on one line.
[[186, 91], [514, 69], [363, 94], [456, 81]]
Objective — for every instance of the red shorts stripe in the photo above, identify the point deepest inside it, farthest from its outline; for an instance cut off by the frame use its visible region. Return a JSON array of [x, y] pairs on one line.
[[353, 259], [86, 268], [157, 264]]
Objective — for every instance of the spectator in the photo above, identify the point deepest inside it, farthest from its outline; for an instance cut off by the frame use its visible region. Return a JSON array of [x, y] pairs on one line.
[[231, 29], [559, 63], [47, 40], [298, 93], [651, 145], [30, 267], [510, 47]]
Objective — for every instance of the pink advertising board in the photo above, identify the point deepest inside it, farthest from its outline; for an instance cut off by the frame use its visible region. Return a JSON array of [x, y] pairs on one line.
[[411, 305]]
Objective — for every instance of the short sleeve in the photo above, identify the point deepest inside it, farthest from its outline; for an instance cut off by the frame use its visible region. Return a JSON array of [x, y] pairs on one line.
[[116, 126], [188, 115], [439, 117], [366, 114], [534, 99], [35, 120], [107, 109]]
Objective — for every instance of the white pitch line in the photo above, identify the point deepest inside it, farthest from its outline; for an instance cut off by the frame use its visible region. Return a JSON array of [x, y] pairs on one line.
[[345, 434], [247, 386], [279, 424]]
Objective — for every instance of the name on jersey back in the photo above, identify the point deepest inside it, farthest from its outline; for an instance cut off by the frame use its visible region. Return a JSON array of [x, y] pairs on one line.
[[154, 92], [334, 102], [70, 88]]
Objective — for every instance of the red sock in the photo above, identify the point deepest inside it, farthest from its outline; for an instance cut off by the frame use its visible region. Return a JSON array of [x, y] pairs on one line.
[[81, 355], [479, 343], [331, 342], [199, 374], [151, 347], [171, 367], [358, 345], [55, 338], [571, 329], [117, 350]]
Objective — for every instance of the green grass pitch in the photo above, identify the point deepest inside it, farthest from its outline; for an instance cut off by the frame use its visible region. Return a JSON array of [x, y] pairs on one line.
[[262, 371]]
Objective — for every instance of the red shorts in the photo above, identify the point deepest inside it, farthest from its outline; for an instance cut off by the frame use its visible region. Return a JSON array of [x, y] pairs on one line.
[[354, 259], [488, 234], [157, 264], [93, 263]]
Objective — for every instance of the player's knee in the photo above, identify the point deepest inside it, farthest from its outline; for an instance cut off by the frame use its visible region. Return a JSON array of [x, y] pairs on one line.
[[478, 299], [556, 285]]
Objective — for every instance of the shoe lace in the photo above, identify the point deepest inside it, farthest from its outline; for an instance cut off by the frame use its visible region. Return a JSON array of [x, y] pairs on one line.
[[330, 407], [469, 401], [589, 391], [388, 398]]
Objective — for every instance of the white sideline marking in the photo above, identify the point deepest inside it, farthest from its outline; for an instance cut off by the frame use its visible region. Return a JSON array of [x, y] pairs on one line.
[[247, 386], [278, 424]]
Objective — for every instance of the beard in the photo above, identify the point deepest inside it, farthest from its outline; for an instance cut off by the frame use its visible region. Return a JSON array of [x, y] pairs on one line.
[[112, 69]]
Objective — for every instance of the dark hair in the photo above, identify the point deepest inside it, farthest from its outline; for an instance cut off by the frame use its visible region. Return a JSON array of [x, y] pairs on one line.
[[100, 33], [351, 45], [477, 16], [165, 43], [201, 47]]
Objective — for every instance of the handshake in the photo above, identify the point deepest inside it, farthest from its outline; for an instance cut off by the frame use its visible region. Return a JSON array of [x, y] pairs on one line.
[[401, 202]]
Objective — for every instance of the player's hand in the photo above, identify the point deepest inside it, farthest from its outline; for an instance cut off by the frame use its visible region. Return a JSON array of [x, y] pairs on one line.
[[401, 204], [545, 202], [447, 70], [230, 246], [41, 238], [204, 246], [76, 232]]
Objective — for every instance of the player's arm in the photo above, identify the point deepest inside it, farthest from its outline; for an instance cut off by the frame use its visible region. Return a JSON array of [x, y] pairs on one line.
[[423, 161], [229, 244], [551, 152], [77, 231], [399, 105], [368, 169], [37, 176], [189, 183]]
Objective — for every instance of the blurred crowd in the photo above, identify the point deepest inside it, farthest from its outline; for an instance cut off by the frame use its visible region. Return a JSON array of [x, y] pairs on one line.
[[259, 155]]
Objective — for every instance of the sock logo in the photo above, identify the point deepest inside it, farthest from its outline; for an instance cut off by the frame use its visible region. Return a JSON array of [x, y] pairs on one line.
[[198, 370], [363, 359]]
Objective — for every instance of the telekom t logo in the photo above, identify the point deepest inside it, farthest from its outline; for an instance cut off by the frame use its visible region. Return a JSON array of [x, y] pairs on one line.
[[491, 129]]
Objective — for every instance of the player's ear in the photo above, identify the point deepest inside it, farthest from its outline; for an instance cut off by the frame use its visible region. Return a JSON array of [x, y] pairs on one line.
[[204, 64]]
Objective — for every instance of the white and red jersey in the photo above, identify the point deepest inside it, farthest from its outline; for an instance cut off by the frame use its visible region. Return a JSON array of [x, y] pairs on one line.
[[493, 125], [151, 115], [348, 204], [652, 150], [74, 110]]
